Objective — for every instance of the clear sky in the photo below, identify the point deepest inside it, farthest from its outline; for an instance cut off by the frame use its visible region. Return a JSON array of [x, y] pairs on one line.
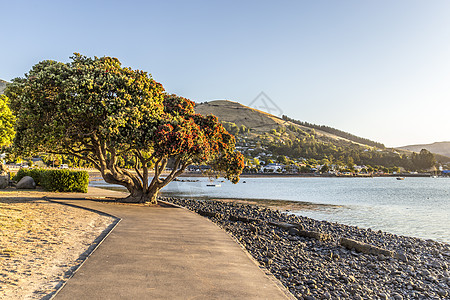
[[378, 69]]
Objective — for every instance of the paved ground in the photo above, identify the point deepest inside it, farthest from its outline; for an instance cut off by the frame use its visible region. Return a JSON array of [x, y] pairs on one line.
[[165, 253]]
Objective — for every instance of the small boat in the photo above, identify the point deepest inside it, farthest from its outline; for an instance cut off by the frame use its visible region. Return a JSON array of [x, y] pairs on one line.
[[213, 185], [400, 178]]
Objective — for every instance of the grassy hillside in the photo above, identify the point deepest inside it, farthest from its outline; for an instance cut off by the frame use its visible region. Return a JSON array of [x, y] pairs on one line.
[[270, 138], [442, 148], [239, 114], [257, 121]]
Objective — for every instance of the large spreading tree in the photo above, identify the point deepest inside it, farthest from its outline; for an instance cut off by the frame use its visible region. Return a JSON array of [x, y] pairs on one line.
[[99, 111]]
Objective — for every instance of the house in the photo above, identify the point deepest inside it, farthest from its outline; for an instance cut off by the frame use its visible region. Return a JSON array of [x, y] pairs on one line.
[[271, 168]]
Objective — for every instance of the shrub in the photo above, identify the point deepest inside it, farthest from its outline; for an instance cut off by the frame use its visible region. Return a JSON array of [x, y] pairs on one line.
[[57, 180], [34, 173], [65, 181]]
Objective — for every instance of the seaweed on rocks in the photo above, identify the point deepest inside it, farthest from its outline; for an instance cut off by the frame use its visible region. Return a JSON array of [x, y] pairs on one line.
[[306, 255]]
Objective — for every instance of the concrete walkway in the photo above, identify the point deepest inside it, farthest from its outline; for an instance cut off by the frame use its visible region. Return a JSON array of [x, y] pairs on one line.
[[164, 253]]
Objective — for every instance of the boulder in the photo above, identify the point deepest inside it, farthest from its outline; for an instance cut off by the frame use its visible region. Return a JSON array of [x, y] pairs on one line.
[[26, 182], [4, 181]]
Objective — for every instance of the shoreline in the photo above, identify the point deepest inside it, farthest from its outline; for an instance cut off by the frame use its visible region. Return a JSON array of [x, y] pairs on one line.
[[321, 267], [301, 208], [95, 173]]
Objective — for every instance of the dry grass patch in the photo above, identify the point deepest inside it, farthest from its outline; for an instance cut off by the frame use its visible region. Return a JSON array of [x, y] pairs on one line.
[[40, 243]]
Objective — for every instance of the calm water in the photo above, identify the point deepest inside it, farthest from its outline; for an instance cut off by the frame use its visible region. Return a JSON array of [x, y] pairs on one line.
[[417, 207]]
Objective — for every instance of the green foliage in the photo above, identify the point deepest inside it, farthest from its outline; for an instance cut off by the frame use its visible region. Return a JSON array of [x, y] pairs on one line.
[[65, 181], [424, 160], [36, 174], [110, 116], [231, 128], [57, 180], [7, 121], [282, 159]]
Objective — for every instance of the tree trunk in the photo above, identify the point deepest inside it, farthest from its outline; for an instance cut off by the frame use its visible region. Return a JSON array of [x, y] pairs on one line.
[[139, 196]]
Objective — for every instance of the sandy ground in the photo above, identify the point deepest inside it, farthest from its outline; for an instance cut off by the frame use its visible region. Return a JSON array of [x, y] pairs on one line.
[[41, 243]]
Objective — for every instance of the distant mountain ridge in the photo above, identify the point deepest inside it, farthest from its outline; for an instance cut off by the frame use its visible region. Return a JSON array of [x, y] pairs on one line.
[[442, 148], [2, 86]]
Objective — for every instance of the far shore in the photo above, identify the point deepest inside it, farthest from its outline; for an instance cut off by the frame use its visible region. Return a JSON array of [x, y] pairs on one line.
[[94, 173]]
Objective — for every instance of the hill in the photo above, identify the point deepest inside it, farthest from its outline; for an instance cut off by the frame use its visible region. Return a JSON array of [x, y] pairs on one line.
[[261, 136], [2, 86], [260, 122], [442, 148]]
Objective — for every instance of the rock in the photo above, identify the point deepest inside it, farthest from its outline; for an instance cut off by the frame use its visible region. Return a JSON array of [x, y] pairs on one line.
[[4, 176], [313, 234], [402, 257], [26, 182], [397, 296], [4, 181], [364, 248]]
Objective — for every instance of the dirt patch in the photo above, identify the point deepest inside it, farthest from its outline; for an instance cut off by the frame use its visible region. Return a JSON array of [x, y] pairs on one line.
[[41, 243]]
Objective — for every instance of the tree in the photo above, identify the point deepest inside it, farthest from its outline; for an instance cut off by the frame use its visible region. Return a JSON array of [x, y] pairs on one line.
[[282, 159], [98, 111], [424, 160], [7, 121], [325, 168]]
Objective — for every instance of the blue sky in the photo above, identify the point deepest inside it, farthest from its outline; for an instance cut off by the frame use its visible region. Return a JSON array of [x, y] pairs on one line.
[[378, 69]]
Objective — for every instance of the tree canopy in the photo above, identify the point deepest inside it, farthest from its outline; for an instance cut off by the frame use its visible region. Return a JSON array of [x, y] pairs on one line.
[[99, 111], [7, 121]]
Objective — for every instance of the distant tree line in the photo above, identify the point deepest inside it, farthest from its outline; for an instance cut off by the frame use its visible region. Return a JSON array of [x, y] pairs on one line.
[[337, 132], [345, 153]]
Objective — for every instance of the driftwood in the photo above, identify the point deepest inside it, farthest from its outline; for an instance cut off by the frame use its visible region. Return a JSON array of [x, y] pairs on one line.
[[282, 225], [243, 219], [312, 234], [210, 214], [365, 248]]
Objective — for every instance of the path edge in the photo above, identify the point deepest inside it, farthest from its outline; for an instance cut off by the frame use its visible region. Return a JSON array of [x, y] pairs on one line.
[[263, 269], [96, 243]]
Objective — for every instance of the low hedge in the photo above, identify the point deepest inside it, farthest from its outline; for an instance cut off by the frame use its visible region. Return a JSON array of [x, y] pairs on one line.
[[34, 173], [57, 180]]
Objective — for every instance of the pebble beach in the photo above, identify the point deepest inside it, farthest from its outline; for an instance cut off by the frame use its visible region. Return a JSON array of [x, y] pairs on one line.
[[320, 266]]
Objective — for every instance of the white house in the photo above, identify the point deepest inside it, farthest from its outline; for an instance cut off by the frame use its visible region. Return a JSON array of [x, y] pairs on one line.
[[271, 168]]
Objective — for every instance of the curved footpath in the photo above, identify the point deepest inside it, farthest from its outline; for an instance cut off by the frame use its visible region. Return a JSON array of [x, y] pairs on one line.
[[164, 253]]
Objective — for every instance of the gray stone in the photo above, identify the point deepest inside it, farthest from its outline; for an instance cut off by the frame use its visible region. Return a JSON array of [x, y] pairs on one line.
[[26, 182], [397, 296], [4, 181], [442, 293]]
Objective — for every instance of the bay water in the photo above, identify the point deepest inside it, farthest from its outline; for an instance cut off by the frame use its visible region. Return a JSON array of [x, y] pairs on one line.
[[418, 207]]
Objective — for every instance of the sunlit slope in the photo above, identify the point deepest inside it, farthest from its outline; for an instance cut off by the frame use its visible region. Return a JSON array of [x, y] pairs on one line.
[[442, 148], [258, 121]]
